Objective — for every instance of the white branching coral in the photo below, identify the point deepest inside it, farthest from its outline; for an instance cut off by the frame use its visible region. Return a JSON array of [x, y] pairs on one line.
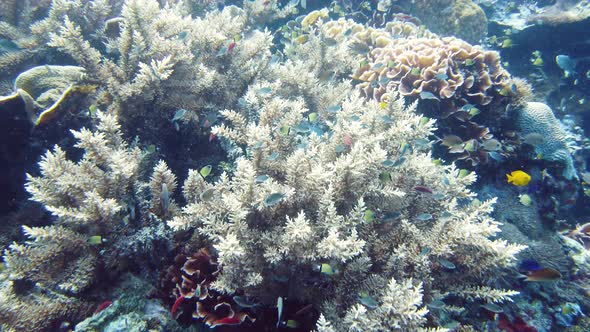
[[55, 256], [91, 190], [335, 186], [160, 54], [400, 308], [162, 187]]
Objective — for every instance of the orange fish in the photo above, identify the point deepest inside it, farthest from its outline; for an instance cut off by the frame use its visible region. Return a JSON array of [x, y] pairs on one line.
[[545, 274]]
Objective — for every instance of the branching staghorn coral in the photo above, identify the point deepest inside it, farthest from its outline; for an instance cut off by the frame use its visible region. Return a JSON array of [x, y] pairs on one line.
[[96, 226], [162, 55], [93, 189], [330, 189]]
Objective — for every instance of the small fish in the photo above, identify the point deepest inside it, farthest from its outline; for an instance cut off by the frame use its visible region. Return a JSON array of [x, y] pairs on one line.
[[446, 264], [368, 301], [388, 163], [436, 304], [333, 108], [257, 145], [182, 35], [427, 95], [416, 71], [230, 47], [423, 189], [211, 137], [347, 140], [265, 91], [518, 178], [179, 114], [469, 62], [386, 118], [529, 265], [324, 268], [369, 215], [537, 62], [508, 90], [95, 240], [424, 216], [441, 76], [273, 199], [92, 109], [207, 194], [103, 306], [507, 43], [491, 145], [176, 305], [525, 199], [312, 117], [567, 64], [438, 196], [534, 139], [261, 178], [445, 216], [292, 324], [493, 308], [378, 66], [391, 216], [285, 130], [544, 274], [244, 302], [451, 140], [273, 156], [425, 251], [399, 161], [165, 198], [205, 171], [340, 148], [496, 156], [463, 173], [391, 64], [279, 310]]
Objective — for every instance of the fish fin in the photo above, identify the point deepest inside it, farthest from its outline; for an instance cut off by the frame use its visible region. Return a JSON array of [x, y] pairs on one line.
[[509, 178]]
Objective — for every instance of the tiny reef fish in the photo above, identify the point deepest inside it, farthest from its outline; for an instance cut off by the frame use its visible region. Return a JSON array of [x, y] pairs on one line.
[[518, 178]]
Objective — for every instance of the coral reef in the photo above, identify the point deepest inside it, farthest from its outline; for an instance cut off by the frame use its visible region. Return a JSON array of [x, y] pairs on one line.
[[461, 18], [92, 200], [538, 118], [329, 200], [164, 59], [287, 203]]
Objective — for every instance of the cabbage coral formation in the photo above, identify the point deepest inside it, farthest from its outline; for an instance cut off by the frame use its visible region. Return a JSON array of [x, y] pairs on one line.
[[448, 67]]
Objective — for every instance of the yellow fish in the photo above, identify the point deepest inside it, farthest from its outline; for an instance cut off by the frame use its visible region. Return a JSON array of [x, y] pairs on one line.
[[518, 178]]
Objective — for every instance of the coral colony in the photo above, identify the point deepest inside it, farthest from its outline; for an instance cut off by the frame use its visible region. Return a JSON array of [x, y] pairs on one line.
[[286, 166]]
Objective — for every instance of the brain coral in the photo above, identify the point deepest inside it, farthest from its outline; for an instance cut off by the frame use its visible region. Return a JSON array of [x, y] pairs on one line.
[[538, 118], [446, 67]]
